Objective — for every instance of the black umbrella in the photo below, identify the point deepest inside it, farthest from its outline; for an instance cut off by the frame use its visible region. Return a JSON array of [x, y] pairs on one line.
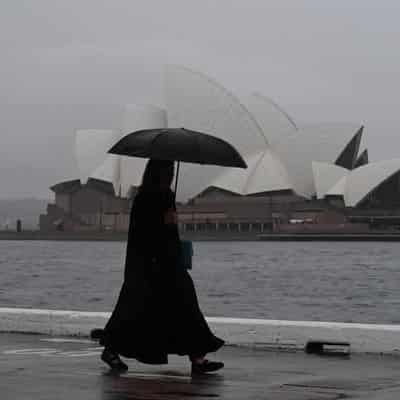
[[179, 144]]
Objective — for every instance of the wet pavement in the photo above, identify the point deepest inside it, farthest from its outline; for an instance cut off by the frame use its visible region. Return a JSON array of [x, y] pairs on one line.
[[40, 367]]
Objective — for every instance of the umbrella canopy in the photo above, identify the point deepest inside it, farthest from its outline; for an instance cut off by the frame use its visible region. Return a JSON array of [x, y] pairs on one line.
[[179, 144]]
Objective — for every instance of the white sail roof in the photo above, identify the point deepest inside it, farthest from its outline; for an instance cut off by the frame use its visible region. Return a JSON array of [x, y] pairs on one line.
[[265, 173], [326, 176], [109, 171], [196, 102], [91, 146], [275, 123], [322, 143], [280, 154], [235, 180], [338, 188], [366, 178]]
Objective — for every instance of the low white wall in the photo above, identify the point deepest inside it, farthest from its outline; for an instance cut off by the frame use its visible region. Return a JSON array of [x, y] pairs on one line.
[[238, 331]]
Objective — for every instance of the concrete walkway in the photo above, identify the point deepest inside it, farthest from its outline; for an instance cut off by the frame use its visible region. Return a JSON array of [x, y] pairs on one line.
[[56, 368]]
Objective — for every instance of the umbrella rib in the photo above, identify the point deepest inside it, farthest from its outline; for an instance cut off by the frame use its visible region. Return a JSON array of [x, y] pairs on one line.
[[197, 144]]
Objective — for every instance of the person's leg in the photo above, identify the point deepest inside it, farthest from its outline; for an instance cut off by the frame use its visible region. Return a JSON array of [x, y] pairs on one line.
[[196, 358]]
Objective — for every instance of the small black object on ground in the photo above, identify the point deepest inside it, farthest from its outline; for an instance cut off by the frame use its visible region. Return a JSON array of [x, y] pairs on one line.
[[327, 348], [96, 334]]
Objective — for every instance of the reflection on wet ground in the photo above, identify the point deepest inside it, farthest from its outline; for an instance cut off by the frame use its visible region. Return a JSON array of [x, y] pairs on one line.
[[165, 386]]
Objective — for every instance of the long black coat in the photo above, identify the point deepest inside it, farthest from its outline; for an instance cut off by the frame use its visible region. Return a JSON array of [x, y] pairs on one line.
[[157, 312]]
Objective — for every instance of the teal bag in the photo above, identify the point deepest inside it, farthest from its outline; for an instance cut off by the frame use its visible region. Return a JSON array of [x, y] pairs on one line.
[[186, 254]]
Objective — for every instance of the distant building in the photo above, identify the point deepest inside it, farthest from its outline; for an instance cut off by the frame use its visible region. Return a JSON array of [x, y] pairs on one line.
[[309, 174], [310, 160], [93, 206]]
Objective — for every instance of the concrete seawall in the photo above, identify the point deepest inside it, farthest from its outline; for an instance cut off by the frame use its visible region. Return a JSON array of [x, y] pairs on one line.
[[363, 338], [121, 237]]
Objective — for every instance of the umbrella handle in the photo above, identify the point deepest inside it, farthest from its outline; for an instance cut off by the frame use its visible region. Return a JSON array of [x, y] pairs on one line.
[[176, 180]]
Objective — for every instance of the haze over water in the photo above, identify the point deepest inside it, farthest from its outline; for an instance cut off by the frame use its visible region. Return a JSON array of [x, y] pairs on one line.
[[346, 282]]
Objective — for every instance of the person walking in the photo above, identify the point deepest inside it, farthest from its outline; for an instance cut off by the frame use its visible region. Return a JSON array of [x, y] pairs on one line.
[[157, 312]]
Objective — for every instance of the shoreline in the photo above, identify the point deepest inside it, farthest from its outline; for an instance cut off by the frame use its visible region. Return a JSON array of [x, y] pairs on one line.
[[116, 237], [205, 236], [332, 237]]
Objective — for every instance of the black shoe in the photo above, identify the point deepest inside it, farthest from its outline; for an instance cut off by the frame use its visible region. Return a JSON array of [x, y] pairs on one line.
[[113, 360], [206, 366]]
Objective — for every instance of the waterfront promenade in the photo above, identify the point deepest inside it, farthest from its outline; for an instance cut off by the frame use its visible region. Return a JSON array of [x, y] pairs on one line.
[[47, 354], [41, 367]]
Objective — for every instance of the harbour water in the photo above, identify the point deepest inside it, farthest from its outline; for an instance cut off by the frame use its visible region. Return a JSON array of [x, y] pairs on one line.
[[312, 281]]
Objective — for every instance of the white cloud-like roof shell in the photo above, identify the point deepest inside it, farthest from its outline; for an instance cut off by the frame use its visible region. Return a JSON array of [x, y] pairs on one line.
[[339, 188], [196, 102], [91, 146], [235, 180], [322, 143], [275, 123], [137, 117], [326, 176], [109, 171], [279, 153], [265, 172], [366, 178]]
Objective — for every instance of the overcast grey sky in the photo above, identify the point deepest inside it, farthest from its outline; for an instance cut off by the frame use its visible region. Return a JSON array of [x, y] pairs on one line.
[[73, 64]]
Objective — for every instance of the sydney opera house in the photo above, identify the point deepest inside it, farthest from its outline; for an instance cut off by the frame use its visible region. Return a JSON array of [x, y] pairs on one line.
[[310, 173]]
